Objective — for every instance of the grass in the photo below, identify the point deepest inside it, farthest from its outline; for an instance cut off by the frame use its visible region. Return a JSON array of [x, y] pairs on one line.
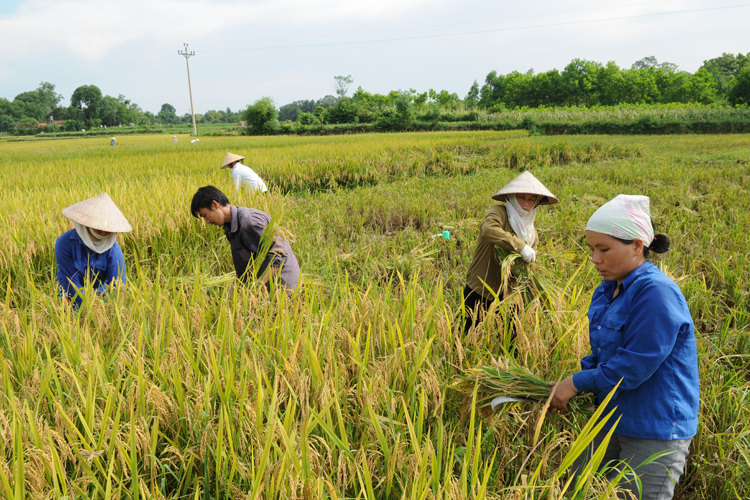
[[169, 390]]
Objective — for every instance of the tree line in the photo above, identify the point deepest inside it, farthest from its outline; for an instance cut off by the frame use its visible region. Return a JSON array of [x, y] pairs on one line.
[[89, 109], [724, 80]]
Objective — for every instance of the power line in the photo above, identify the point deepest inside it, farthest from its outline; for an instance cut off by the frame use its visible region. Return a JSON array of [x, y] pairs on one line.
[[438, 25], [445, 35]]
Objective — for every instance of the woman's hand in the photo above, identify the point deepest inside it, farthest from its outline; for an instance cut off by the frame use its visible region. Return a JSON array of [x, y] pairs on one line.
[[561, 394], [528, 254]]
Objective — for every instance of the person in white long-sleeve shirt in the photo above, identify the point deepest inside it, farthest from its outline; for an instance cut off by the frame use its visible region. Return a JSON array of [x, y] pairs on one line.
[[242, 174]]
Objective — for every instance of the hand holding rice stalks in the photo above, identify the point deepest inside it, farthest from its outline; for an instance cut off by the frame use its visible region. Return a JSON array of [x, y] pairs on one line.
[[510, 381], [530, 280]]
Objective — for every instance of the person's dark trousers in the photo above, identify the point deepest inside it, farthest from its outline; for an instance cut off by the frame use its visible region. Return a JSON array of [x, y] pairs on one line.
[[474, 303], [475, 307]]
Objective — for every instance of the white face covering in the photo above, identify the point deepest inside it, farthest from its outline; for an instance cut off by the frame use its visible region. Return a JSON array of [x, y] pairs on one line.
[[93, 241], [627, 217], [522, 221]]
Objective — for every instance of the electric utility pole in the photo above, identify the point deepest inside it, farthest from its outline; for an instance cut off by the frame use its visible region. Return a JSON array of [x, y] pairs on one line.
[[192, 108]]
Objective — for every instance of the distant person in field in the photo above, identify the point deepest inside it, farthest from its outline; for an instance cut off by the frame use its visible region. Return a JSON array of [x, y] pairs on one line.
[[243, 175], [174, 139], [90, 250], [641, 335], [506, 229], [112, 142], [257, 251]]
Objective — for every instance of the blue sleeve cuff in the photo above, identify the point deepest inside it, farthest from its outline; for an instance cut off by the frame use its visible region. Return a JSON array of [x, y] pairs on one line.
[[589, 362], [585, 381]]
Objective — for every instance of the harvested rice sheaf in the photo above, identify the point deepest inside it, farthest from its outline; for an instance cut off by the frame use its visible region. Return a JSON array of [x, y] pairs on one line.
[[511, 381]]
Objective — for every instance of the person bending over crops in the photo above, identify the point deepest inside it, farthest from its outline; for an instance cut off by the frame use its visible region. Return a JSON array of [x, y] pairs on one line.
[[90, 250], [641, 335], [505, 230], [256, 249], [243, 175]]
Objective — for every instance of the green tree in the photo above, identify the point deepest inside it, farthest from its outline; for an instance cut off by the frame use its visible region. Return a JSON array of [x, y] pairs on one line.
[[6, 123], [87, 99], [168, 114], [341, 85], [48, 98], [739, 88], [650, 62], [304, 118], [321, 114], [699, 87], [108, 110], [725, 69], [27, 105], [231, 116], [580, 82], [472, 98], [261, 117], [443, 98], [345, 111], [60, 113]]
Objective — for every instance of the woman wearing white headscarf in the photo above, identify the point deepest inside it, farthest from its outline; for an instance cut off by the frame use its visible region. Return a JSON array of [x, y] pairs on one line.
[[510, 228], [90, 250], [641, 335]]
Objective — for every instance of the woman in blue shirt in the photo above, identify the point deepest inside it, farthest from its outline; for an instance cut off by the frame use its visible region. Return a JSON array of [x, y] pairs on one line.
[[90, 250], [641, 335]]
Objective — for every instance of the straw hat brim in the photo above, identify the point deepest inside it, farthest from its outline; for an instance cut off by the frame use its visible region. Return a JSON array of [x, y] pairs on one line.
[[230, 159], [526, 183], [99, 212]]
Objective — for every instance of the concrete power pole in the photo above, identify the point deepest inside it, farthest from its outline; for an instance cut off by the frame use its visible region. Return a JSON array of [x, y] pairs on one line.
[[192, 108]]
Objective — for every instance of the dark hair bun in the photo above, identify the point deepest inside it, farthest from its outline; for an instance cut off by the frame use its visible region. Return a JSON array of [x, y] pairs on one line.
[[660, 243]]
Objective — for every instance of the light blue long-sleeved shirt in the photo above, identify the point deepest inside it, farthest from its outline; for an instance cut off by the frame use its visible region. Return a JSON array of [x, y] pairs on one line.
[[645, 337], [75, 260]]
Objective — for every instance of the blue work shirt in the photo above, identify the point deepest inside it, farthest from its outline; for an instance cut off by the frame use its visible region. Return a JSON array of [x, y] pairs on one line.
[[645, 337], [75, 260]]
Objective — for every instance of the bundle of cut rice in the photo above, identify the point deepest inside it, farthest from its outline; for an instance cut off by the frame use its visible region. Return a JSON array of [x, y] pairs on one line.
[[205, 282], [531, 280], [512, 383]]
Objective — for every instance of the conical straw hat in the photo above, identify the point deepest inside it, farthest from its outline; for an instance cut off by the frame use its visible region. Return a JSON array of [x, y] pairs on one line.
[[231, 158], [526, 183], [99, 212]]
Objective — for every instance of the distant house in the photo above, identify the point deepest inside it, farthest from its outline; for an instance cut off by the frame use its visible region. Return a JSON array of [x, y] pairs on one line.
[[56, 122], [242, 123]]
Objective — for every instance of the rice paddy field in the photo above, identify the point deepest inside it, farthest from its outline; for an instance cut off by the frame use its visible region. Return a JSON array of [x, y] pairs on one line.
[[173, 388]]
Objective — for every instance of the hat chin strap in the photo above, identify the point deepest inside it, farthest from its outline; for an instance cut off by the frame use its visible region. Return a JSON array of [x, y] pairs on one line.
[[98, 246], [96, 236]]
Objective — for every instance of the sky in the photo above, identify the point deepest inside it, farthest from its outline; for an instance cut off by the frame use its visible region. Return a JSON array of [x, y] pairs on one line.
[[291, 49]]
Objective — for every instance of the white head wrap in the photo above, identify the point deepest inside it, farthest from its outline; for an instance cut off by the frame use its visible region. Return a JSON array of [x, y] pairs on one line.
[[522, 221], [626, 217], [98, 244]]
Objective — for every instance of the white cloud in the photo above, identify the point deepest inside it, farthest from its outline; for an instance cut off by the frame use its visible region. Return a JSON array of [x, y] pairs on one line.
[[91, 29], [130, 46]]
